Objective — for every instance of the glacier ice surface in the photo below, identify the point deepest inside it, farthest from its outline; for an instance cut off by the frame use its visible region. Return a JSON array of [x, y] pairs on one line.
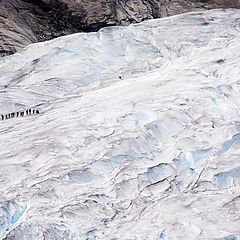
[[137, 136]]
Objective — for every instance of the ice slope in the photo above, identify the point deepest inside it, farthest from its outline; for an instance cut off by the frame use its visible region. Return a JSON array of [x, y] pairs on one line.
[[138, 136]]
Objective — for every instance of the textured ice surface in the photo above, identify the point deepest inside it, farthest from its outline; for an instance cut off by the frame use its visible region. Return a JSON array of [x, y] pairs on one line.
[[138, 136]]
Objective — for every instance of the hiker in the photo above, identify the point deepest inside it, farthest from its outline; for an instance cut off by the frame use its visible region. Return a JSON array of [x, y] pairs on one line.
[[2, 117], [22, 113], [12, 115], [37, 112]]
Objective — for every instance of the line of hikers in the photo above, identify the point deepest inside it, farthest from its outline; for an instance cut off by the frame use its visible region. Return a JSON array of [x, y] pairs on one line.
[[19, 114]]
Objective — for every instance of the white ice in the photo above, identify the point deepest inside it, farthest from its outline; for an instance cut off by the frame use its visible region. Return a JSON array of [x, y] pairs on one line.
[[138, 136]]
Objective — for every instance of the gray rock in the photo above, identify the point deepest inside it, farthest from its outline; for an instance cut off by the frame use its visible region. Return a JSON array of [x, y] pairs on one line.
[[27, 21], [15, 32]]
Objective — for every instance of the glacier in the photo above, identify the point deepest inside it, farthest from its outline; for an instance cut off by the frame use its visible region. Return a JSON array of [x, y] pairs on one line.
[[138, 135]]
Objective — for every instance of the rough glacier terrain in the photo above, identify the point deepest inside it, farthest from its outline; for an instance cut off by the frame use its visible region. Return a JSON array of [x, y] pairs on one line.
[[138, 135]]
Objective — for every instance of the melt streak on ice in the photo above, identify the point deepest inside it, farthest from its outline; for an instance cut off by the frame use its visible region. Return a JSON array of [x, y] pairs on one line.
[[138, 135]]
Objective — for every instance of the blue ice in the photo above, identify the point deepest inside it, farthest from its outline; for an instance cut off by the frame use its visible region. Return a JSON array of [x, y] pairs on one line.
[[227, 179], [230, 143], [223, 180], [16, 216], [153, 129], [231, 237], [163, 236], [89, 235], [80, 176], [70, 234], [142, 147], [114, 162], [199, 157], [191, 159], [159, 173], [62, 54], [10, 216]]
